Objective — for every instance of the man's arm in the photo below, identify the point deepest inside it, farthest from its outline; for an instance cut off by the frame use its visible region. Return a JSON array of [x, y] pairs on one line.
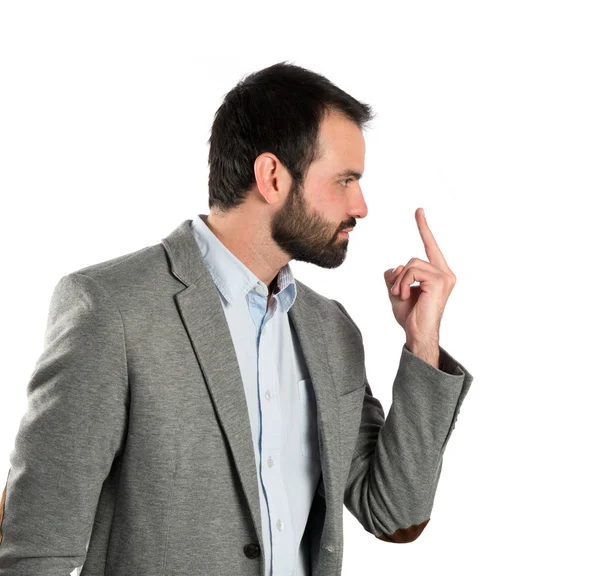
[[397, 461], [72, 430]]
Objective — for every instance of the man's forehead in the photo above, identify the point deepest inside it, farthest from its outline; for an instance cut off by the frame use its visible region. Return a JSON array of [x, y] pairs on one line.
[[336, 126], [341, 148]]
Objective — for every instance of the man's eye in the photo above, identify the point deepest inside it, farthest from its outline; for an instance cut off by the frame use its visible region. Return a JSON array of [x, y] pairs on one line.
[[346, 180]]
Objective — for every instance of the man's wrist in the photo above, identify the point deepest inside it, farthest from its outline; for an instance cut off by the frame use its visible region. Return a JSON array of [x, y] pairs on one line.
[[430, 353]]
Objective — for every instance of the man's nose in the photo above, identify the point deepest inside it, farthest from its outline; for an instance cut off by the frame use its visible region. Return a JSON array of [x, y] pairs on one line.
[[359, 207]]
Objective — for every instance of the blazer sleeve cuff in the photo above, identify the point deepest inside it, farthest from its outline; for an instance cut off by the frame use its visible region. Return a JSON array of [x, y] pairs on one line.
[[448, 364], [437, 392]]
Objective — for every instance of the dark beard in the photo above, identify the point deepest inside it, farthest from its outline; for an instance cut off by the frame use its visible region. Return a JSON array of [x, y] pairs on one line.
[[306, 236]]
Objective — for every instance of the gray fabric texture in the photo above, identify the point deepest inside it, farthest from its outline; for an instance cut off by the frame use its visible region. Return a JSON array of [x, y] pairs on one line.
[[135, 454]]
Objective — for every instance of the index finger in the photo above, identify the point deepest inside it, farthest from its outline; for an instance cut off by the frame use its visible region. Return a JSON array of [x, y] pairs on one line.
[[431, 246]]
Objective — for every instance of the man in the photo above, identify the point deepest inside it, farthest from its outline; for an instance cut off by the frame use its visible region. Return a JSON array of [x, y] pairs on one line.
[[198, 410]]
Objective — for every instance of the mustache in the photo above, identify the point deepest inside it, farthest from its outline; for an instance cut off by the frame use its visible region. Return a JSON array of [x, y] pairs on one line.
[[349, 224]]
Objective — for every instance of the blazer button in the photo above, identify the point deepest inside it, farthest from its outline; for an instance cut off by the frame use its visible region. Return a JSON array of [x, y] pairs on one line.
[[252, 550]]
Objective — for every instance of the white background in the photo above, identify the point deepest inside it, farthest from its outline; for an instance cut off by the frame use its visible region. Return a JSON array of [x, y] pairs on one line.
[[488, 118]]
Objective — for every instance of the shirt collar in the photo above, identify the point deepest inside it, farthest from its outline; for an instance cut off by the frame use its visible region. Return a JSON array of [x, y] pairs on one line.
[[233, 279]]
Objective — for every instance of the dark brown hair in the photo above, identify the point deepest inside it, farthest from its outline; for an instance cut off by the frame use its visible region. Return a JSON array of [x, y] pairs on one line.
[[279, 110]]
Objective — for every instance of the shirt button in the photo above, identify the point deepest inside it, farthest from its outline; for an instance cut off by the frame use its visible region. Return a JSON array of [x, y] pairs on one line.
[[267, 395], [270, 462], [279, 525]]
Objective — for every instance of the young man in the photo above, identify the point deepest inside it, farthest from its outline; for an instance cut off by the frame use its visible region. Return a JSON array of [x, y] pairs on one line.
[[197, 410]]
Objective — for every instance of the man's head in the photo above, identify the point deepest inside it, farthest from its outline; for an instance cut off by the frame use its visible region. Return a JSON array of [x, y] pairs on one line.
[[281, 142]]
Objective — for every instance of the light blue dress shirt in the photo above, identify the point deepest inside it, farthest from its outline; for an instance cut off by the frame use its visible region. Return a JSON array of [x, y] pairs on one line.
[[279, 395]]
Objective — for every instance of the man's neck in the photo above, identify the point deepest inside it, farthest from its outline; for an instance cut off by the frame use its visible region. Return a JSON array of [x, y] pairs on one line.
[[249, 244]]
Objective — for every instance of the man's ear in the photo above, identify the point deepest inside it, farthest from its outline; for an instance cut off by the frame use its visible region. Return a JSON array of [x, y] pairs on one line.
[[273, 180]]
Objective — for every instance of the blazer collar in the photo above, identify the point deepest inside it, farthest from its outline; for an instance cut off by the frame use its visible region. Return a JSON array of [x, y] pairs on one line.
[[201, 311]]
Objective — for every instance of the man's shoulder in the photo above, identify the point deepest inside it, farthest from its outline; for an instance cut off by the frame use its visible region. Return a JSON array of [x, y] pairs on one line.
[[145, 269]]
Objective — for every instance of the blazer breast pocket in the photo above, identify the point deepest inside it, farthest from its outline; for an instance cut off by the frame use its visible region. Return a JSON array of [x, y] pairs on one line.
[[309, 438]]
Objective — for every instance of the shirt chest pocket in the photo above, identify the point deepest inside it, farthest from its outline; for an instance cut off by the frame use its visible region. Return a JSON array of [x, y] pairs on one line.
[[307, 412]]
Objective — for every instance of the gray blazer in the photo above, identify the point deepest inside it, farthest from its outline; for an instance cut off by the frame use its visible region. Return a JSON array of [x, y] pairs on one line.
[[135, 454]]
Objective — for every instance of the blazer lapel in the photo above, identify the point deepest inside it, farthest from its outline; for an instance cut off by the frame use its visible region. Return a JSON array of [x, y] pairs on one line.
[[203, 316]]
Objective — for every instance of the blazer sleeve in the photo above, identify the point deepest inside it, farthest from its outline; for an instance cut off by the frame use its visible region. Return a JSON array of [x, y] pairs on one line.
[[73, 428], [397, 460]]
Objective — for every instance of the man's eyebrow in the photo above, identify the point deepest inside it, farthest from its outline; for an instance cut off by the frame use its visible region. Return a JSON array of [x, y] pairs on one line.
[[348, 173]]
